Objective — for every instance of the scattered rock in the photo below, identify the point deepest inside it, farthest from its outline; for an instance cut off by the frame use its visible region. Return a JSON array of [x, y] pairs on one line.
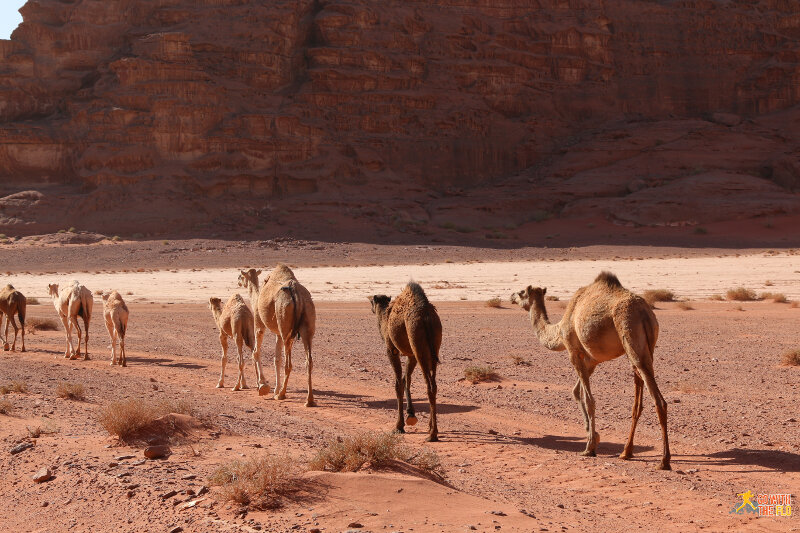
[[355, 525], [498, 513], [21, 447], [176, 529], [124, 457], [42, 475], [168, 495], [726, 119], [156, 452]]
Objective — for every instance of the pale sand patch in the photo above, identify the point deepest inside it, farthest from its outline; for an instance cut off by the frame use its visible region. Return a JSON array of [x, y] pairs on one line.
[[690, 278]]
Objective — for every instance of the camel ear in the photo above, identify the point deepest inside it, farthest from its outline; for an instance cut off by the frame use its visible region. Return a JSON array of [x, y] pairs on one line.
[[529, 290], [544, 291], [258, 272]]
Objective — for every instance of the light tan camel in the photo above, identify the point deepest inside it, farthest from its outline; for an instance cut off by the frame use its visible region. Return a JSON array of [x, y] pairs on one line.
[[115, 313], [235, 320], [410, 326], [71, 302], [602, 321], [12, 302], [284, 306]]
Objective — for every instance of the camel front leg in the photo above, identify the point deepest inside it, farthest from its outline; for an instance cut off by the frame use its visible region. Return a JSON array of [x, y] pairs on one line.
[[263, 388], [394, 359], [6, 346], [309, 367], [4, 338], [588, 402], [287, 366], [240, 383], [627, 452], [223, 340], [577, 393], [411, 419]]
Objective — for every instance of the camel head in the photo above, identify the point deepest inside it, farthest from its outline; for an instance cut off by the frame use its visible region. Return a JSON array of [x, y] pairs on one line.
[[249, 276], [52, 289], [214, 303], [526, 297], [379, 302], [105, 296]]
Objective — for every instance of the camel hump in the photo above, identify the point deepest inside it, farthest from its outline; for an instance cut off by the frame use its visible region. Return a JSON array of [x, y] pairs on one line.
[[608, 279], [417, 293]]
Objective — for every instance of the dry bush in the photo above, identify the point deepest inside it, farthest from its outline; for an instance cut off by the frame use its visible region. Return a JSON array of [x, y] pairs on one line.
[[71, 391], [777, 297], [795, 304], [768, 283], [658, 295], [33, 300], [741, 294], [34, 324], [738, 308], [477, 374], [716, 297], [792, 358], [48, 427], [98, 292], [350, 454], [685, 306], [6, 407], [124, 418], [551, 298], [519, 360], [494, 302], [14, 386], [259, 483]]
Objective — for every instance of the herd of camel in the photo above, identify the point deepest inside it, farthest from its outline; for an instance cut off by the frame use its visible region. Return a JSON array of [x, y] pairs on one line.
[[601, 322]]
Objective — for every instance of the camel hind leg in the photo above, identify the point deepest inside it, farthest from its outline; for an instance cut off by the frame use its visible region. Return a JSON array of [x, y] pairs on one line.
[[241, 383], [223, 340], [85, 340], [411, 418], [260, 329], [394, 359], [429, 373], [110, 329], [304, 337], [123, 356], [76, 352], [287, 367]]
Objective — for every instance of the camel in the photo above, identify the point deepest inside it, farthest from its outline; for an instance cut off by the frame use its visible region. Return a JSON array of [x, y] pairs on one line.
[[71, 302], [12, 302], [115, 313], [235, 320], [602, 321], [410, 326], [284, 306]]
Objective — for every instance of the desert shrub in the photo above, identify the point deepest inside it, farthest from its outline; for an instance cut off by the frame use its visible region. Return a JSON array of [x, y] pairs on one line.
[[34, 324], [658, 295], [6, 407], [795, 304], [685, 306], [349, 454], [494, 302], [700, 230], [98, 292], [32, 300], [777, 297], [741, 294], [716, 297], [551, 298], [126, 417], [259, 482], [792, 358], [477, 374], [71, 391], [14, 386], [72, 229], [47, 427], [518, 360]]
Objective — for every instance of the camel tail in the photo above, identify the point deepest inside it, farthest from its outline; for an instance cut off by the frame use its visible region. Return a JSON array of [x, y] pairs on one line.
[[298, 314], [249, 336], [21, 310], [429, 333], [121, 328]]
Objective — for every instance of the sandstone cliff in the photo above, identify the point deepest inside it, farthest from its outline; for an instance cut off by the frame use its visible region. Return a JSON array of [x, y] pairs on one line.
[[181, 113]]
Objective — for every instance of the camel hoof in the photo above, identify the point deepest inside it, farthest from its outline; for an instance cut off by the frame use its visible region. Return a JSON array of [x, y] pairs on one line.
[[124, 364], [432, 438], [589, 453], [6, 346], [220, 385], [86, 357], [236, 389], [24, 350], [281, 396], [411, 420], [625, 456], [399, 430], [263, 390], [311, 403], [664, 466]]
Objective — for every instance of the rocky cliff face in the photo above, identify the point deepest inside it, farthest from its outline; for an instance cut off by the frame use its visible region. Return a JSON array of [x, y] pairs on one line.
[[109, 105]]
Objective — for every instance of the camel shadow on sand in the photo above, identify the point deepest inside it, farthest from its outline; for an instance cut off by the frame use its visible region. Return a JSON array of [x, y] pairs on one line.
[[776, 460], [421, 406], [156, 361]]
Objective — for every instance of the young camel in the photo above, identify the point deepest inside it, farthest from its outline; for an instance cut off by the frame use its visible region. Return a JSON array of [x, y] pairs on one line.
[[235, 320], [115, 313], [602, 321], [71, 302], [410, 326], [284, 306], [12, 302]]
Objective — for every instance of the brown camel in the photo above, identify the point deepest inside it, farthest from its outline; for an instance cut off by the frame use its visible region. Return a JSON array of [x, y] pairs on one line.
[[284, 306], [410, 326], [71, 302], [234, 320], [602, 321], [12, 302], [115, 313]]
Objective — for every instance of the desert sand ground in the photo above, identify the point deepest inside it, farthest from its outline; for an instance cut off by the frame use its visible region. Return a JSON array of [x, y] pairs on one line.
[[509, 447]]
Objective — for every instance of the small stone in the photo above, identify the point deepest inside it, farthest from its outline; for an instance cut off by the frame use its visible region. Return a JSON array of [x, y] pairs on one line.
[[315, 530], [202, 490], [168, 495], [42, 475], [497, 513], [21, 447], [124, 457], [492, 432], [355, 525], [45, 504], [156, 452], [560, 505], [176, 529]]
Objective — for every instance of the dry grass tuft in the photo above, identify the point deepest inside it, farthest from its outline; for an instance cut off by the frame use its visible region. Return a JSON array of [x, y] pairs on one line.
[[34, 324], [33, 300], [658, 295], [477, 374], [795, 304], [685, 306], [791, 358], [258, 483], [551, 298], [494, 302], [519, 360], [124, 418], [48, 427], [741, 294], [777, 297], [6, 407], [71, 391], [14, 386], [350, 454], [716, 297]]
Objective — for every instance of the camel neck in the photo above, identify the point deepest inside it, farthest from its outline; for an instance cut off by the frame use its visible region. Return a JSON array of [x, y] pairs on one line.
[[549, 334]]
